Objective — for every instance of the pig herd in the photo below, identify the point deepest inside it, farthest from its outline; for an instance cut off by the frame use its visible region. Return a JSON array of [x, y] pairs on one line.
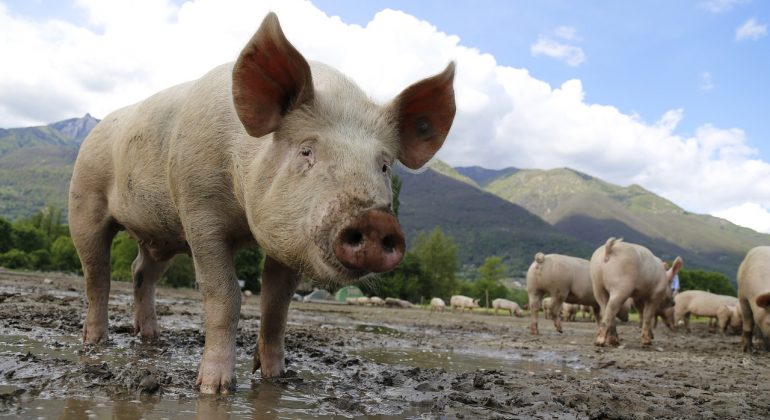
[[622, 275], [290, 154]]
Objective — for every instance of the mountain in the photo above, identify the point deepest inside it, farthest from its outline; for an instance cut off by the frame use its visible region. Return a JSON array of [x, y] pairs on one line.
[[592, 210], [483, 176], [36, 164], [481, 223]]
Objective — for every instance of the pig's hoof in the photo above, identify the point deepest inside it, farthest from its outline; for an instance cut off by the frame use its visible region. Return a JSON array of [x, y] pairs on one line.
[[211, 383], [600, 342], [94, 335], [613, 341], [533, 329], [147, 332]]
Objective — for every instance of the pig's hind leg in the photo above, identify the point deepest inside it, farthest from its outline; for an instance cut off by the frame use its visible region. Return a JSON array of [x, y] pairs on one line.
[[146, 271], [278, 285], [92, 230]]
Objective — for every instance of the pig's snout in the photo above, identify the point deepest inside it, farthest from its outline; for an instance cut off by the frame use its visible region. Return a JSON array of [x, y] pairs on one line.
[[372, 242]]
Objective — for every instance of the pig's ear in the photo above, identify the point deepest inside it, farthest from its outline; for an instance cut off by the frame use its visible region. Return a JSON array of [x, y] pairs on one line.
[[269, 79], [763, 300], [425, 111], [676, 266]]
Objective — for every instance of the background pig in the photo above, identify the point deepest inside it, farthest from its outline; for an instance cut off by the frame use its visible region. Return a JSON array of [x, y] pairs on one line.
[[271, 149], [699, 303], [463, 302], [547, 304], [569, 311], [729, 315], [437, 304], [397, 303], [754, 295], [565, 279], [376, 301], [620, 270], [507, 305]]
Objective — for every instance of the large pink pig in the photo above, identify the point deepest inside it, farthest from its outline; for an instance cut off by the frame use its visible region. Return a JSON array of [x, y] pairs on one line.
[[754, 295], [271, 149]]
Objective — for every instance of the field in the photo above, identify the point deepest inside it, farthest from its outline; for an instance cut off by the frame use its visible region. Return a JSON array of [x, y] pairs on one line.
[[347, 361]]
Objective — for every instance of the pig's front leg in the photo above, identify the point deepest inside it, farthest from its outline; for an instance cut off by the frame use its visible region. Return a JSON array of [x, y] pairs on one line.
[[221, 307], [278, 285]]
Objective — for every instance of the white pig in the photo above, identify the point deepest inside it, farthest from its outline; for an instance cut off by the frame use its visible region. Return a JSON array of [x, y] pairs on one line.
[[699, 303], [437, 305], [507, 305], [729, 315], [376, 301], [620, 270], [565, 279], [271, 149], [754, 295], [463, 302]]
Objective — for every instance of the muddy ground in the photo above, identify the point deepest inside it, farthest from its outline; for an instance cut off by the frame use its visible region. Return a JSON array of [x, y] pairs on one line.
[[347, 361]]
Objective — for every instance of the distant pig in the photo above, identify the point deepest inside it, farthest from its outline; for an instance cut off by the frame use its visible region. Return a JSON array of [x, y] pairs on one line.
[[271, 149], [754, 295], [729, 315], [397, 303], [362, 301], [699, 303], [620, 270], [437, 305], [507, 305], [569, 311], [565, 279], [376, 301], [463, 302]]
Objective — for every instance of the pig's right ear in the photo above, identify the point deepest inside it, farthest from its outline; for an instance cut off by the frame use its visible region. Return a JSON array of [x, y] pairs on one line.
[[763, 300], [270, 78], [425, 111]]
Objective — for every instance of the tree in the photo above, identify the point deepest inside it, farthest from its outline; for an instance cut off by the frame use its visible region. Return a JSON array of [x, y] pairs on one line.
[[403, 282], [27, 237], [180, 273], [248, 267], [124, 250], [15, 258], [437, 254], [492, 269], [706, 280], [6, 238], [64, 256]]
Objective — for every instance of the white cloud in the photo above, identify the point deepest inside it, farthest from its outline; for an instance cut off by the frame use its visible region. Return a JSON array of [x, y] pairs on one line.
[[750, 215], [53, 70], [721, 6], [570, 54], [750, 30], [567, 32], [705, 81]]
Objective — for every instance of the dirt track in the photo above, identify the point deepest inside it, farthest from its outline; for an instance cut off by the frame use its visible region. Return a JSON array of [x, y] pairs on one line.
[[361, 361]]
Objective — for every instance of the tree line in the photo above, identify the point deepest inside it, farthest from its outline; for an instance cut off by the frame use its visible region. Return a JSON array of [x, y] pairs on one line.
[[429, 268]]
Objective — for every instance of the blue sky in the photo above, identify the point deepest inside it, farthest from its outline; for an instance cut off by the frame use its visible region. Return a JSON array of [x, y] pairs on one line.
[[670, 95], [644, 57]]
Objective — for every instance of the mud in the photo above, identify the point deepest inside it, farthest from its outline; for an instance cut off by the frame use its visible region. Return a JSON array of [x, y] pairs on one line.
[[347, 361]]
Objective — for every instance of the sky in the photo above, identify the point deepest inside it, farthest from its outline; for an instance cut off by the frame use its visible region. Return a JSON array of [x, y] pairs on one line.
[[670, 95]]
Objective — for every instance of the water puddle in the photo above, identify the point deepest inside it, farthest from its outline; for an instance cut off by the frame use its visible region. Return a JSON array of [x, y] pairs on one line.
[[459, 361]]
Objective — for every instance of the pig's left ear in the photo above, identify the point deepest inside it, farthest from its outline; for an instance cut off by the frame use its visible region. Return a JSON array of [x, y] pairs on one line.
[[763, 300], [270, 78], [425, 111]]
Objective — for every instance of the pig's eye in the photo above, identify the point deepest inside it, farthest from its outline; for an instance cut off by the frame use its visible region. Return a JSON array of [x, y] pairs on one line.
[[385, 168], [307, 155], [306, 152]]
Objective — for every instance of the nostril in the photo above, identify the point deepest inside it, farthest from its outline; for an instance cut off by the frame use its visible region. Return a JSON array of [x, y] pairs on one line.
[[352, 237], [389, 243]]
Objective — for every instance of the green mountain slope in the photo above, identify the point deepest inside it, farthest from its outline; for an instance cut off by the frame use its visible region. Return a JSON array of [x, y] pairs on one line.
[[481, 223], [484, 176], [36, 164], [592, 210]]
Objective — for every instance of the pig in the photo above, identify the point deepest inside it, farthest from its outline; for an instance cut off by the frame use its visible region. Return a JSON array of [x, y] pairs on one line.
[[754, 295], [351, 301], [362, 301], [699, 303], [376, 301], [569, 311], [586, 312], [463, 302], [729, 315], [271, 149], [621, 270], [667, 314], [547, 304], [397, 303], [565, 279], [507, 305], [437, 305]]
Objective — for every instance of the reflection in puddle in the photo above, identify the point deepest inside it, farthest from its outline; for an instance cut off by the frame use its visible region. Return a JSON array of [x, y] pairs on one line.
[[462, 361]]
